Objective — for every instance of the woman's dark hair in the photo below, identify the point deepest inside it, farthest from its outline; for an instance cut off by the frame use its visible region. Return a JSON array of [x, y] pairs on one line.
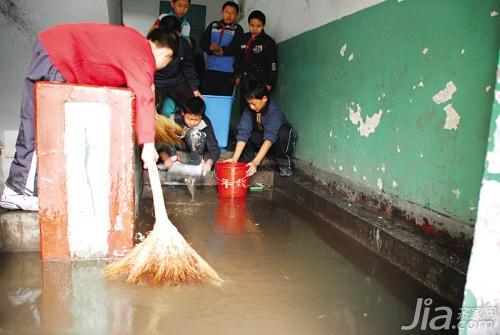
[[257, 14], [171, 23], [256, 90], [165, 38], [194, 105], [232, 4]]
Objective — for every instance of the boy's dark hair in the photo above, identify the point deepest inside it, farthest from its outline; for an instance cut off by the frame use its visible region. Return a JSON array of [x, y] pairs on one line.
[[165, 38], [256, 90], [257, 14], [194, 105], [232, 4], [171, 23], [174, 1]]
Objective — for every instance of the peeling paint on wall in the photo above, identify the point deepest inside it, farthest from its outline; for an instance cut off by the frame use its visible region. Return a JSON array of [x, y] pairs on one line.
[[425, 51], [493, 13], [452, 118], [493, 157], [487, 88], [445, 94], [369, 125], [343, 49], [394, 184], [456, 192], [351, 57], [380, 184]]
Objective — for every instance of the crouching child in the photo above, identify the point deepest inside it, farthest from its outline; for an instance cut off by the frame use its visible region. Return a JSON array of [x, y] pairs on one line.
[[199, 145], [264, 129]]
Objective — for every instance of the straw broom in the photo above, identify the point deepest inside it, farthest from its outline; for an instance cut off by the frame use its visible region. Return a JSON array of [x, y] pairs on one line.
[[167, 131], [164, 256]]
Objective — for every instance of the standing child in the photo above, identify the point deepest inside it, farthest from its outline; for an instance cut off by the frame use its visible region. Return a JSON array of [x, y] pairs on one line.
[[259, 61], [179, 10], [221, 41], [177, 81], [263, 128], [198, 140]]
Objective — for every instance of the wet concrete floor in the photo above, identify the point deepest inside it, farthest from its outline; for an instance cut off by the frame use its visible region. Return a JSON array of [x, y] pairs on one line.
[[284, 274]]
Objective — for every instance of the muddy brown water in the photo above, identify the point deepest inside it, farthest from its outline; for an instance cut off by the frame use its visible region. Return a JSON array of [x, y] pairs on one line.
[[285, 273]]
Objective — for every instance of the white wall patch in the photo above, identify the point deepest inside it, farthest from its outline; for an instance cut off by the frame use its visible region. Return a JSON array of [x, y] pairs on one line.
[[351, 57], [456, 192], [343, 49], [421, 84], [452, 118], [369, 125], [354, 168], [380, 184], [493, 157], [425, 51], [398, 149], [462, 51], [445, 94], [394, 184], [487, 88], [493, 13], [497, 96]]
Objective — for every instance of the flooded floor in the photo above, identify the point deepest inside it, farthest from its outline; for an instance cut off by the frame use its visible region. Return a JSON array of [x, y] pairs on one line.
[[284, 272]]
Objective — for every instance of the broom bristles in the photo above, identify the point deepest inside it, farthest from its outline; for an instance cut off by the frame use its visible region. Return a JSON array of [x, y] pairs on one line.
[[167, 131], [164, 256]]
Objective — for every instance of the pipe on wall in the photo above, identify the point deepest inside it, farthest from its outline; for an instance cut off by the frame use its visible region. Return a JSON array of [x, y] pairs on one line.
[[115, 12]]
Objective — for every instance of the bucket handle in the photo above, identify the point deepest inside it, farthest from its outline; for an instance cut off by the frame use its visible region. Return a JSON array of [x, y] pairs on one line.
[[238, 182]]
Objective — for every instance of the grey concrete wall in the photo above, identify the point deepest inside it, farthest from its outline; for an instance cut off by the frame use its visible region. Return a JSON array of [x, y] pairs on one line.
[[20, 22], [286, 19]]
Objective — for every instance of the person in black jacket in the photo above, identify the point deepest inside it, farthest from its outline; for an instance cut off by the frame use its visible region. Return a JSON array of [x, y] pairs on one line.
[[199, 142], [178, 80], [263, 129], [221, 41], [259, 59]]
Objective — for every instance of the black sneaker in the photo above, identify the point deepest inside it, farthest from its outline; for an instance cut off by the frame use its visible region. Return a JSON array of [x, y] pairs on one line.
[[285, 171]]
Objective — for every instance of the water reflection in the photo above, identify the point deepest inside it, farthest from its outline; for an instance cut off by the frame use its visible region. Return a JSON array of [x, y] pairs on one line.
[[231, 216], [282, 277]]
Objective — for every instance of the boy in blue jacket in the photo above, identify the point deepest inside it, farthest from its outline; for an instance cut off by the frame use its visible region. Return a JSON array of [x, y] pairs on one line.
[[263, 128]]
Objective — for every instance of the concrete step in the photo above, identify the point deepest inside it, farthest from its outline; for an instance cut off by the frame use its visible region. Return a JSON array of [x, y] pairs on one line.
[[19, 231], [265, 174]]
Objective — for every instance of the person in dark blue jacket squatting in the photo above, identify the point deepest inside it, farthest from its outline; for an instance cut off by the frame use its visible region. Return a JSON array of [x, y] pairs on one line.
[[263, 129]]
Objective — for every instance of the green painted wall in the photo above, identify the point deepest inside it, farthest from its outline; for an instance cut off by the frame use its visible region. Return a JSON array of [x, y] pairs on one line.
[[404, 53]]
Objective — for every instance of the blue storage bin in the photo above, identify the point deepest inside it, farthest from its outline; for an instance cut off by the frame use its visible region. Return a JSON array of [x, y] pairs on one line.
[[219, 112]]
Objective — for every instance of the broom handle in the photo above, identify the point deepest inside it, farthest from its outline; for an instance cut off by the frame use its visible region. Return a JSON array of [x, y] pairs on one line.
[[159, 203]]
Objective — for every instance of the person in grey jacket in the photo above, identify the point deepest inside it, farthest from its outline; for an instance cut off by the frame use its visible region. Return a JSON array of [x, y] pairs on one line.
[[264, 129]]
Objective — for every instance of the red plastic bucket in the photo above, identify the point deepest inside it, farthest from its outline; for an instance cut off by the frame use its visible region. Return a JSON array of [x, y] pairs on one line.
[[232, 180]]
